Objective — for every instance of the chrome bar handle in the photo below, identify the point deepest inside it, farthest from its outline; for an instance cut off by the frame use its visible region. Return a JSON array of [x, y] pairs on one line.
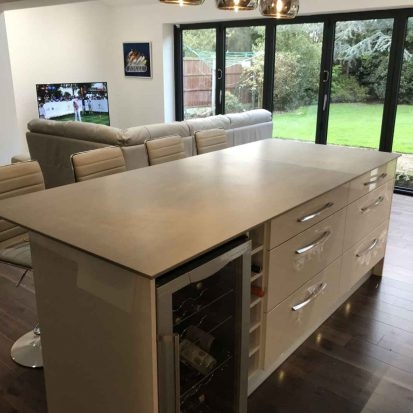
[[311, 297], [375, 204], [375, 180], [316, 213], [367, 250], [316, 243]]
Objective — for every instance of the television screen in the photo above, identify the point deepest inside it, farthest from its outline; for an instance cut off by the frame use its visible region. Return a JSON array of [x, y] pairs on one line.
[[81, 102]]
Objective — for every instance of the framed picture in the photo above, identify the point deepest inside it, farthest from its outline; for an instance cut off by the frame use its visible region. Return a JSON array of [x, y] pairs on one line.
[[137, 59]]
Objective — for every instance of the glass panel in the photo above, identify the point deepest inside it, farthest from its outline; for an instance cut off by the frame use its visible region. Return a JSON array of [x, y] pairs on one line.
[[403, 141], [204, 317], [361, 60], [297, 75], [244, 68], [199, 64]]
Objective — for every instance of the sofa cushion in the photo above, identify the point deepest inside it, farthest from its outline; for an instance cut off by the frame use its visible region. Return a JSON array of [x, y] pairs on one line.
[[251, 117]]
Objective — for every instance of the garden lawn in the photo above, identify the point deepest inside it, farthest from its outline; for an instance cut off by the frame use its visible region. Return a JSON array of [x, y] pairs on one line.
[[350, 124], [100, 118]]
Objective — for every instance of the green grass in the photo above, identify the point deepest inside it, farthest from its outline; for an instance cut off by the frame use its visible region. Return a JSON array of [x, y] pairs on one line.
[[101, 118], [350, 124]]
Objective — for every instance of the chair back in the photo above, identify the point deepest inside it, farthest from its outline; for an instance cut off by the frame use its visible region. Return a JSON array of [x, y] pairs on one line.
[[210, 140], [170, 148], [97, 162], [17, 179]]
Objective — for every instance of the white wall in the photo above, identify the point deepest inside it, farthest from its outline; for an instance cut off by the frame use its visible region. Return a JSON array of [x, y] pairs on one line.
[[55, 44], [8, 132], [83, 42]]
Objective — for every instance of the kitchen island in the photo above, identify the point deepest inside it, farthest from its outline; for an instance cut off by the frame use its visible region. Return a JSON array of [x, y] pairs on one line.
[[317, 217]]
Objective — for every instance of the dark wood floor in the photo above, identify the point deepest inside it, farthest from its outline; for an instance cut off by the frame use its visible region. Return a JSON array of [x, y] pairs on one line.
[[359, 360]]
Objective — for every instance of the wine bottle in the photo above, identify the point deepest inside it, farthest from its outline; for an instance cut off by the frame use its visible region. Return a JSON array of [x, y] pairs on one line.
[[197, 358], [205, 341]]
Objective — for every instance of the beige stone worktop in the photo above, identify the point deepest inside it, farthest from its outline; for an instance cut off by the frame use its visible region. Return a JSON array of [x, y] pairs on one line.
[[153, 219]]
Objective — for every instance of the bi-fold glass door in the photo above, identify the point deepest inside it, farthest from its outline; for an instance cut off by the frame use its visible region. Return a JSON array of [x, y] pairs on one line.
[[222, 70], [342, 79]]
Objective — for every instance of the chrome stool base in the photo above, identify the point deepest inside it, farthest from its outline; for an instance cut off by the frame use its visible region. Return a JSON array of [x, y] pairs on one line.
[[27, 350]]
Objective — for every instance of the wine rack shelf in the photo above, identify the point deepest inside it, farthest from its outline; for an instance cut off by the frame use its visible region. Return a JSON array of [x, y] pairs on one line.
[[257, 236]]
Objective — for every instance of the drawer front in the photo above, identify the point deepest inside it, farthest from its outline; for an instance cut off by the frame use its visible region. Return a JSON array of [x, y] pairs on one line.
[[286, 326], [371, 180], [361, 258], [367, 213], [299, 219], [296, 261]]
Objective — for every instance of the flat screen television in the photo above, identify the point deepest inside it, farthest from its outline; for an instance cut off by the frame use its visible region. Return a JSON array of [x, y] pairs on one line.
[[82, 102]]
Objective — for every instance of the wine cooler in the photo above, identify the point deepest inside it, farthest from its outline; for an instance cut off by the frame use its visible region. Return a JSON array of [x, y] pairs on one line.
[[203, 331]]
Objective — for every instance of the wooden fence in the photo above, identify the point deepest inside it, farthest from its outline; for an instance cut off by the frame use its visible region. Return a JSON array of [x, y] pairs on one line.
[[198, 82]]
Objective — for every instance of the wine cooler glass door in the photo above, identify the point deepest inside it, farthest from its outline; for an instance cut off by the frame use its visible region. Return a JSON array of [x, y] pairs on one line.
[[203, 333]]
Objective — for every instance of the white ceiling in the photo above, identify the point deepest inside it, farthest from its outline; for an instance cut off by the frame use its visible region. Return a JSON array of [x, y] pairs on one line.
[[22, 4]]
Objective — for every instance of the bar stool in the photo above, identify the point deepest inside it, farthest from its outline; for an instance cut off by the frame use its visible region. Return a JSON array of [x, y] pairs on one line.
[[170, 148], [97, 162], [19, 179]]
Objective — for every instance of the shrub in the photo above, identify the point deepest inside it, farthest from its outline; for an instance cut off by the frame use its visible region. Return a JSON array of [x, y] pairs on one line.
[[345, 88]]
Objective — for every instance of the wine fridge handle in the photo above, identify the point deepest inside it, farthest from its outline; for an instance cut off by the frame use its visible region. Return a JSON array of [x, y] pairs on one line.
[[211, 267], [169, 374], [177, 374]]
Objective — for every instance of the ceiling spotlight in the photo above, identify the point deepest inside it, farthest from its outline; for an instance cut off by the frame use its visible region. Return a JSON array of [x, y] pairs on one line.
[[279, 9], [237, 5], [183, 2]]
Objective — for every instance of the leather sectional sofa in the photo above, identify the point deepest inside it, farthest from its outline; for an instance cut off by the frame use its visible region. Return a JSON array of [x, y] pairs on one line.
[[52, 143]]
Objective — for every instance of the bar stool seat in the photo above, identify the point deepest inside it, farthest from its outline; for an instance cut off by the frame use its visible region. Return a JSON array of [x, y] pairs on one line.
[[17, 254]]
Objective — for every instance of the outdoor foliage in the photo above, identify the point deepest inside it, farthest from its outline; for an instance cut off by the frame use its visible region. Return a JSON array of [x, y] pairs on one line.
[[297, 66], [346, 88], [361, 60]]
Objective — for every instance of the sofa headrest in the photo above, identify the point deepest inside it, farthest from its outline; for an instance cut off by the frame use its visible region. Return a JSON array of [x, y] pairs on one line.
[[251, 117], [78, 130], [135, 135], [212, 122], [159, 130]]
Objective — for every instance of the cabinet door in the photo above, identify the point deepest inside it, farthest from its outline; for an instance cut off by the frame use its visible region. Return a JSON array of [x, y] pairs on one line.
[[292, 321], [296, 261]]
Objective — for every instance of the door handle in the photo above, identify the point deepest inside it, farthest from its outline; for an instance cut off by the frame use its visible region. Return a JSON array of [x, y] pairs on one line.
[[219, 74]]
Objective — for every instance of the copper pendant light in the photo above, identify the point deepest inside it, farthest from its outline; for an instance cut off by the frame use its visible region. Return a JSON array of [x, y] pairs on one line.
[[183, 2], [237, 5], [279, 9]]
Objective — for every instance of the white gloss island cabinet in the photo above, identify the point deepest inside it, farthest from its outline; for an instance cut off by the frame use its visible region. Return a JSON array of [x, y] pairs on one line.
[[316, 255], [317, 219]]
